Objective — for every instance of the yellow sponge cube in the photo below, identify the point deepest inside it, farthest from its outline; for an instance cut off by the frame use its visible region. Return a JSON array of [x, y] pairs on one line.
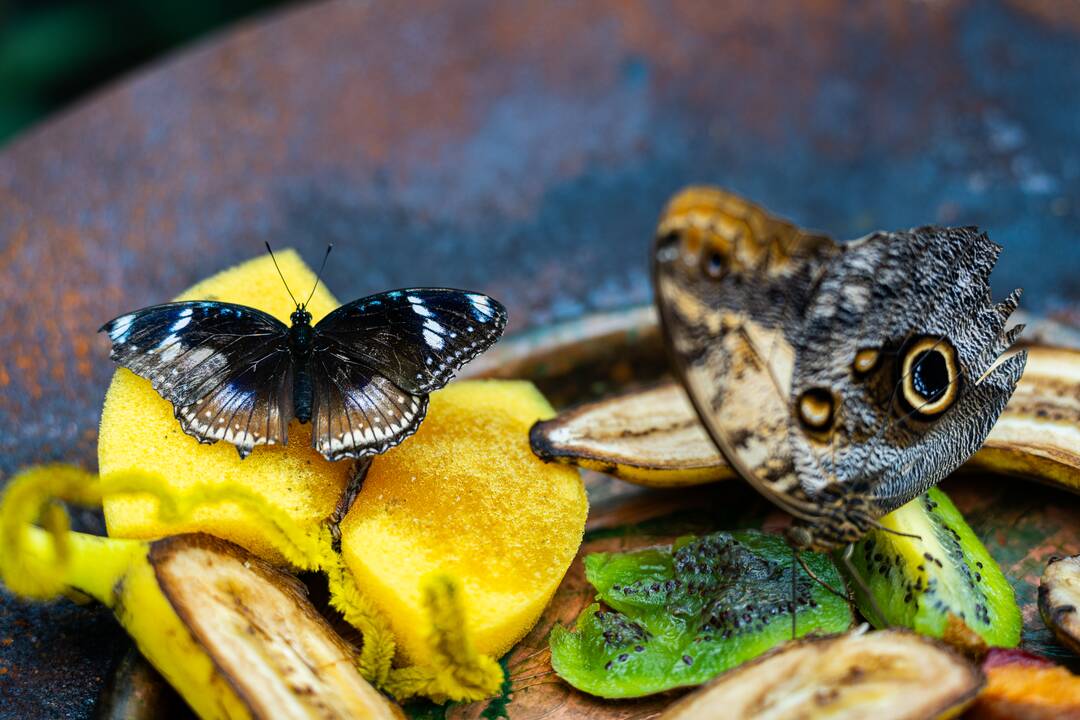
[[139, 433], [466, 498]]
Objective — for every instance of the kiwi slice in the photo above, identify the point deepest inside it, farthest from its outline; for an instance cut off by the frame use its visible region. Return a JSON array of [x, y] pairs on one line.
[[679, 615], [942, 583]]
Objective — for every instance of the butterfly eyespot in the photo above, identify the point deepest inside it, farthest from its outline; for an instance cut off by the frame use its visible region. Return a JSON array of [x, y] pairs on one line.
[[816, 408], [713, 264], [865, 361], [930, 376]]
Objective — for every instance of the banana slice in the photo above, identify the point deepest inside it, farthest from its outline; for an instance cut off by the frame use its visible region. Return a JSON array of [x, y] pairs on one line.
[[234, 636], [1059, 598], [653, 437], [887, 675], [278, 654], [1038, 435]]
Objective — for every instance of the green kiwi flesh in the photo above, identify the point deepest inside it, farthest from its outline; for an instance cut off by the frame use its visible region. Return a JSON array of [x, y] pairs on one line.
[[679, 615], [919, 582]]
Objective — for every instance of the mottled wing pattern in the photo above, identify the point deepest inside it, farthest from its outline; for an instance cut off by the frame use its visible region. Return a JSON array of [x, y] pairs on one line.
[[841, 381], [376, 359], [225, 368], [732, 284], [907, 305]]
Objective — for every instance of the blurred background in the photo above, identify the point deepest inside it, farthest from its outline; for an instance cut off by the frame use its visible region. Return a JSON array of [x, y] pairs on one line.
[[53, 52]]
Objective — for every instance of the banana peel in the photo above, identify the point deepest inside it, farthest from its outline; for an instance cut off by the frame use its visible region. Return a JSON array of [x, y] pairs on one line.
[[653, 437], [650, 437], [234, 635]]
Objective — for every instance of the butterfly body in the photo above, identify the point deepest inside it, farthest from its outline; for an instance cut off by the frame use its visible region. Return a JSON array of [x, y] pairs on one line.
[[300, 341], [840, 380], [361, 375]]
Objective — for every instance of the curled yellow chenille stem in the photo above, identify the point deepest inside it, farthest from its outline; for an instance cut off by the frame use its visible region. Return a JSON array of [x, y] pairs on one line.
[[378, 652], [457, 671], [31, 497], [189, 602]]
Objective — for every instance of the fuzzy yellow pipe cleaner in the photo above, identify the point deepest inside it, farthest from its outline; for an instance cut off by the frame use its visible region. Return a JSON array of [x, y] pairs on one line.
[[457, 672]]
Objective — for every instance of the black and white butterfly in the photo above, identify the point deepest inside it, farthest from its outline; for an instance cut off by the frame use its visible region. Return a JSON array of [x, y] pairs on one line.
[[361, 375]]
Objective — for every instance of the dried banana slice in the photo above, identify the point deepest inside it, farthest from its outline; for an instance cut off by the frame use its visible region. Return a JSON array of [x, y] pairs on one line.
[[1059, 600], [652, 436], [887, 675]]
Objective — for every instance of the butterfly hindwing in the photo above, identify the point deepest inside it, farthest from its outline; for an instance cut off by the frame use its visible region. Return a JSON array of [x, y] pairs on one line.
[[376, 359], [357, 411], [840, 380], [225, 368], [900, 339]]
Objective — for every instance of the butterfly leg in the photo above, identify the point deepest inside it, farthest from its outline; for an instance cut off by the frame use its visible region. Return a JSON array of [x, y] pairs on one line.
[[348, 497], [846, 559], [819, 581], [794, 592], [796, 557]]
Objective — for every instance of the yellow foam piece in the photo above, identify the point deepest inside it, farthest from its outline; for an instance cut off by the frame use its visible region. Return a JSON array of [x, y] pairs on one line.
[[466, 498], [139, 433]]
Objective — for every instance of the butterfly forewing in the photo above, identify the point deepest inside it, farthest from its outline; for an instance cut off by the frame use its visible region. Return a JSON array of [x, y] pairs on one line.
[[731, 284], [375, 360], [225, 368], [417, 338]]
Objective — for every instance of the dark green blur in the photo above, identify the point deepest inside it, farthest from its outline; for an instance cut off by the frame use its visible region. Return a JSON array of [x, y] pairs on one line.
[[53, 52]]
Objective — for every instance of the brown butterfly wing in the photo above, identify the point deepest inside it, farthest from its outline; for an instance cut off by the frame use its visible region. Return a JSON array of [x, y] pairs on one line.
[[841, 381], [732, 283], [903, 343]]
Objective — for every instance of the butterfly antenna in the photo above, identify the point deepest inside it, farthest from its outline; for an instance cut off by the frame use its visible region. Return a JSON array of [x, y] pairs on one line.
[[794, 591], [318, 275], [280, 275]]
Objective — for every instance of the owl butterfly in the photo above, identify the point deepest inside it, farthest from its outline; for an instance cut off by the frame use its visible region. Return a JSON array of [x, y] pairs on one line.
[[841, 381]]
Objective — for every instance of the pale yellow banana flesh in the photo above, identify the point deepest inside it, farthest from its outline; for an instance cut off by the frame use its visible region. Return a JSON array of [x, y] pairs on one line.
[[279, 655], [1059, 599], [233, 635], [887, 675], [653, 437]]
